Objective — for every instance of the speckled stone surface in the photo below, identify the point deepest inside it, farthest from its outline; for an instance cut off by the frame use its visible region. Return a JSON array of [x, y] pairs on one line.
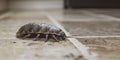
[[107, 48], [12, 48]]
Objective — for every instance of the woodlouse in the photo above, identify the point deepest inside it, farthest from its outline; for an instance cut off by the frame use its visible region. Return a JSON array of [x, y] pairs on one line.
[[40, 30]]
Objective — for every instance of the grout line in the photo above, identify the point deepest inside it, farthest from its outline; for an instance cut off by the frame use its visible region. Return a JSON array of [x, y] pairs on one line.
[[88, 20], [82, 48], [7, 14], [111, 18], [110, 36], [114, 36], [6, 38]]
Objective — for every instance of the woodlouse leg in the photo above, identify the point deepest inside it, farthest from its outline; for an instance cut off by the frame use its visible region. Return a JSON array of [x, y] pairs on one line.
[[26, 35], [60, 38], [55, 38], [47, 38], [36, 37]]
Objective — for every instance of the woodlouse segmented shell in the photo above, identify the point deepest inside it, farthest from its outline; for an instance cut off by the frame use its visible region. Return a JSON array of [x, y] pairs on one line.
[[40, 30]]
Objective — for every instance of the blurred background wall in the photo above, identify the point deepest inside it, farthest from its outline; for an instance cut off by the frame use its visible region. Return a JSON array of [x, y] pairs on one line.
[[56, 4], [35, 4], [3, 5]]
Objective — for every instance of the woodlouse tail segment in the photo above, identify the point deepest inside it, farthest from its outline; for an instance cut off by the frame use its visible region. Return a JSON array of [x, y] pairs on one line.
[[17, 35]]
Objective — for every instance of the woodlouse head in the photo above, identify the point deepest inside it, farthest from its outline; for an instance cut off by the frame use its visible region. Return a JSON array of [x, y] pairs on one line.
[[62, 35]]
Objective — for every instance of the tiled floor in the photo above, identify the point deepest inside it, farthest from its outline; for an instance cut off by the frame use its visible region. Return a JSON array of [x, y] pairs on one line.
[[84, 22], [92, 28], [107, 48], [18, 49]]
